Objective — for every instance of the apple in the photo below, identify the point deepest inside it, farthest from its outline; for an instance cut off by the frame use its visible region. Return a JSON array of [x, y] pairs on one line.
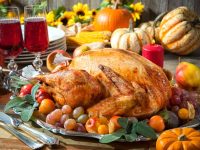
[[188, 75], [86, 47], [51, 57]]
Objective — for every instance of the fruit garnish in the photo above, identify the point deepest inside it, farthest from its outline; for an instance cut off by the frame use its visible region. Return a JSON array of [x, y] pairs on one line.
[[26, 89], [70, 124], [25, 106], [130, 131], [46, 106], [66, 109], [103, 129], [157, 123], [188, 75], [77, 112], [92, 125], [183, 114]]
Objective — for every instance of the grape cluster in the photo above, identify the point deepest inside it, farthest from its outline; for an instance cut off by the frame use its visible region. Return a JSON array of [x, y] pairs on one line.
[[68, 118], [180, 98]]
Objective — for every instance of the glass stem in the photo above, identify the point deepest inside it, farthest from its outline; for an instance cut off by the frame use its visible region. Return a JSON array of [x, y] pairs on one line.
[[12, 65], [37, 63]]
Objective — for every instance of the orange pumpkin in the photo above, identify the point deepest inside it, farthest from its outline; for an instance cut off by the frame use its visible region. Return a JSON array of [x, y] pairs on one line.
[[179, 138], [112, 18]]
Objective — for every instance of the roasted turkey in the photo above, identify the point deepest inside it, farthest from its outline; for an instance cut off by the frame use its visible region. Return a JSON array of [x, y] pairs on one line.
[[114, 82]]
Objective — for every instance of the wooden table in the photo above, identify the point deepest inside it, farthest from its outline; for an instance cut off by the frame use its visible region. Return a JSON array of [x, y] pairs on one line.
[[7, 141]]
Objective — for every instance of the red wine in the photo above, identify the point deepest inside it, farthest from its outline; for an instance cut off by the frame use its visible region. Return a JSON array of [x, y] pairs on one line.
[[11, 42], [36, 34]]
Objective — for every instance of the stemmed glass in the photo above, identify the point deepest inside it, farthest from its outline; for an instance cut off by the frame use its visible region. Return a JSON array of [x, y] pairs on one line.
[[11, 41], [36, 33]]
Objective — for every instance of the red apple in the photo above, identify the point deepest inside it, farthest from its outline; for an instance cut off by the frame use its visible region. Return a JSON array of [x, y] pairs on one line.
[[188, 75]]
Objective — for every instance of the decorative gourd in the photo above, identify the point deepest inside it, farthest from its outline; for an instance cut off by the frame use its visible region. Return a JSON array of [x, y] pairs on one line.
[[148, 27], [180, 31], [109, 19], [130, 39], [179, 138]]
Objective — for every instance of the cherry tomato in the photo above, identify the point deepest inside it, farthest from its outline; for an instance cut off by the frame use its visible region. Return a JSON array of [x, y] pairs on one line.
[[26, 89], [40, 92], [42, 97]]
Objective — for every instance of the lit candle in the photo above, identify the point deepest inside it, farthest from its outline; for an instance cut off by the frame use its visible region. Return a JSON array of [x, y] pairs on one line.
[[154, 53]]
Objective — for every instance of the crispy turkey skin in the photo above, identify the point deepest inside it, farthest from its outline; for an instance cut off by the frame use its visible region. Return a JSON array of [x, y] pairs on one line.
[[110, 82]]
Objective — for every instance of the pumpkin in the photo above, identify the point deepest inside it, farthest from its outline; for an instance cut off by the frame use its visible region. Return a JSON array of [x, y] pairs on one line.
[[179, 138], [148, 27], [180, 31], [109, 19], [130, 39]]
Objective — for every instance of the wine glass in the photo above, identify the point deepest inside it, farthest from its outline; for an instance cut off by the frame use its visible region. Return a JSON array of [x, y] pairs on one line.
[[11, 41], [36, 33]]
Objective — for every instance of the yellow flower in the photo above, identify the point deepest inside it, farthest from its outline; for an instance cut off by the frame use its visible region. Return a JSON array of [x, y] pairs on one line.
[[66, 17], [80, 9], [50, 17], [72, 21], [137, 10], [93, 13], [138, 7], [22, 18]]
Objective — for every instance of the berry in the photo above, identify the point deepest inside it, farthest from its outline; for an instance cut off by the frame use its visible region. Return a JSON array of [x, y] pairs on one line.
[[66, 109], [82, 118], [70, 124], [77, 112], [64, 118]]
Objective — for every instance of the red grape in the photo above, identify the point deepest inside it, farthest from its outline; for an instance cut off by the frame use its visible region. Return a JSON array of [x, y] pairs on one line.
[[175, 100], [80, 127], [57, 114], [50, 119], [70, 124], [64, 118], [175, 109], [66, 109], [184, 104]]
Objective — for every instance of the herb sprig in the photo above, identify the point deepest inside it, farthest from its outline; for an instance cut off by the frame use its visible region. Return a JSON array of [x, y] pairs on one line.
[[25, 106], [130, 131]]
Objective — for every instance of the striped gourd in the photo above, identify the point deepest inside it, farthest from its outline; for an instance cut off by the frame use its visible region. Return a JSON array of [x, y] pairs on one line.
[[180, 31]]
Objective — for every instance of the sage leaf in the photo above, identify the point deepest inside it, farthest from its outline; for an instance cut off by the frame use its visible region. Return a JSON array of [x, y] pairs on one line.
[[123, 122], [130, 137], [112, 137], [143, 129], [26, 114], [17, 101], [34, 90], [29, 99]]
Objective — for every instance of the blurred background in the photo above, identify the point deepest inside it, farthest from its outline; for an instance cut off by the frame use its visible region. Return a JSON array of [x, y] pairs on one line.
[[151, 10]]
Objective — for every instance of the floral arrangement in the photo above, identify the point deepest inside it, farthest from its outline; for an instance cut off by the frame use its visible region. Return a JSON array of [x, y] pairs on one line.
[[83, 14]]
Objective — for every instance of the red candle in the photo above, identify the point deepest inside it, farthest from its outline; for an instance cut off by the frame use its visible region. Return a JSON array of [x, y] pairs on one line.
[[154, 53]]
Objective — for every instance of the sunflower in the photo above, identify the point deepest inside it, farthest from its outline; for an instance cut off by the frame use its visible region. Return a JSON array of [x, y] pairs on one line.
[[137, 10], [93, 13], [66, 17], [80, 9], [50, 17]]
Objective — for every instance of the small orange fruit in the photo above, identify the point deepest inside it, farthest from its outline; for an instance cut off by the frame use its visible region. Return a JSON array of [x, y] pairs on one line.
[[114, 119], [92, 125], [183, 114], [157, 123], [103, 129], [46, 106]]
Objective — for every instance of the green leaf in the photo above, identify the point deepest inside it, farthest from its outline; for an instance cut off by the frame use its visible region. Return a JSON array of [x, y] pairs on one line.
[[143, 129], [29, 98], [112, 137], [129, 2], [17, 101], [34, 90], [26, 114], [164, 114], [130, 137], [123, 122]]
